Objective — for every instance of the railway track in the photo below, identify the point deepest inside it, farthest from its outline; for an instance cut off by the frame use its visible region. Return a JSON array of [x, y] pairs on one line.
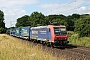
[[79, 53], [69, 53]]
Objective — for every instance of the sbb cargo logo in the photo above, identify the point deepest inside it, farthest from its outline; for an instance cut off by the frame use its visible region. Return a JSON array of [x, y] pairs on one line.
[[43, 32]]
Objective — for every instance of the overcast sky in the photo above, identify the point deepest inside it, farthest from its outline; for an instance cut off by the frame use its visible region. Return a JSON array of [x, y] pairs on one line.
[[14, 9]]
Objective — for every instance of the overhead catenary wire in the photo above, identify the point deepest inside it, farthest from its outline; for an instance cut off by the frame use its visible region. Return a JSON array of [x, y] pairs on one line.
[[72, 8], [65, 4]]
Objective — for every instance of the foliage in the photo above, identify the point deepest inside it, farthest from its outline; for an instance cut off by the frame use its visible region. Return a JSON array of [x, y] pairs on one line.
[[37, 18], [2, 30], [74, 22], [76, 40], [71, 21], [82, 26], [61, 22], [2, 24], [23, 21]]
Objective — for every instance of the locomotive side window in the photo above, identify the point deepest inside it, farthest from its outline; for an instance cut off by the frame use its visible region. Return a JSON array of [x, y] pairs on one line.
[[56, 30]]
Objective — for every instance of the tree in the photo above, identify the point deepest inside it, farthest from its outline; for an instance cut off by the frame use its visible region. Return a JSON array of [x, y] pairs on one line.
[[2, 30], [57, 18], [82, 26], [2, 24], [60, 21], [71, 20], [23, 21], [52, 17], [47, 21], [37, 18]]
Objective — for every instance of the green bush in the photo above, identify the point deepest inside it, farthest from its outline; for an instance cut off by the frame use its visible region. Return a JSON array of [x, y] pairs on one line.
[[2, 30], [76, 40], [82, 26]]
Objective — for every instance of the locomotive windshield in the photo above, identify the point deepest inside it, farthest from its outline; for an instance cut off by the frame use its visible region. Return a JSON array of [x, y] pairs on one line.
[[60, 31]]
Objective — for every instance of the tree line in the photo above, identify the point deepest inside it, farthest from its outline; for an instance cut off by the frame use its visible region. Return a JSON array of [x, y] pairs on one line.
[[75, 22], [2, 23]]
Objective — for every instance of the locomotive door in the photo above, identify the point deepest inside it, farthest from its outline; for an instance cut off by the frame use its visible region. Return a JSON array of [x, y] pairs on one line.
[[49, 34]]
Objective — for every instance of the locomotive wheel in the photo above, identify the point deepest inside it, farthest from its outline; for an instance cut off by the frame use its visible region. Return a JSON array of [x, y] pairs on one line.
[[53, 45], [49, 44], [43, 43]]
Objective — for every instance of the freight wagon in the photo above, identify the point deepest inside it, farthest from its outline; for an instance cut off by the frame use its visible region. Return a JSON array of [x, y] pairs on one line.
[[25, 32], [8, 31], [12, 31]]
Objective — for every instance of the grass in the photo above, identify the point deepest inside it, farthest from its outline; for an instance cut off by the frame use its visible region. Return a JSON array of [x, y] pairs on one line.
[[76, 40], [15, 49]]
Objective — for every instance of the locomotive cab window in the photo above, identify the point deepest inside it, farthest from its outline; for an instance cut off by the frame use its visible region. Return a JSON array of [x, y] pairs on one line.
[[60, 31]]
